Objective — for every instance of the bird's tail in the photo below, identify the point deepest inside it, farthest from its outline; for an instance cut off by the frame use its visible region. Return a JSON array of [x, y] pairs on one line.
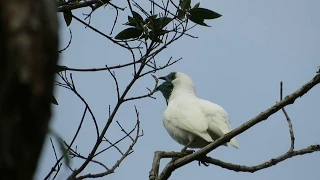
[[234, 143]]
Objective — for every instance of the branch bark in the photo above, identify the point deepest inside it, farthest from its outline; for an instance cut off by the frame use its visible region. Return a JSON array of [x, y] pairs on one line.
[[271, 162], [28, 56]]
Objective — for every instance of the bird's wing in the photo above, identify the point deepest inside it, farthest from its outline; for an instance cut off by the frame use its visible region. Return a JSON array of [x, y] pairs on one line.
[[184, 114], [218, 119]]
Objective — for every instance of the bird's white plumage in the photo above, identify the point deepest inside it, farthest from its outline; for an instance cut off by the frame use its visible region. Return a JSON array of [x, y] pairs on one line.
[[189, 118]]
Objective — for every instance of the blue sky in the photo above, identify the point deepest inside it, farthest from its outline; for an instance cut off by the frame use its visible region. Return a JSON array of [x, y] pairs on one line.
[[237, 63]]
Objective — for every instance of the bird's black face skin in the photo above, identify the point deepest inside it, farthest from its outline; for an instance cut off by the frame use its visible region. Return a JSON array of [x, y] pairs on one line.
[[170, 77], [167, 87]]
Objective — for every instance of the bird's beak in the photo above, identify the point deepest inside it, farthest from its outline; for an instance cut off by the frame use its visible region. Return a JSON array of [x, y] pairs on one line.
[[163, 78]]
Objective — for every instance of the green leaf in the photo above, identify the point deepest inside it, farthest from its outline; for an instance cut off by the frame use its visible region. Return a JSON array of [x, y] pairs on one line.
[[185, 4], [67, 17], [135, 20], [202, 13], [129, 33], [131, 22], [62, 145], [154, 37], [53, 100], [144, 36], [197, 5], [151, 18], [64, 150], [60, 68], [158, 33], [157, 40], [162, 22], [197, 20], [181, 14], [150, 21], [137, 16]]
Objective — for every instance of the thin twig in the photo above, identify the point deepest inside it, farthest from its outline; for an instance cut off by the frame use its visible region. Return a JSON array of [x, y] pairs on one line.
[[117, 164], [101, 33], [151, 92], [288, 120], [68, 146], [115, 81], [102, 69], [114, 144], [70, 32], [59, 165], [76, 5]]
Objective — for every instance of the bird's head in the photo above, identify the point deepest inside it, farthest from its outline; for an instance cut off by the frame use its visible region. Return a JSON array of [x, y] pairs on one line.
[[175, 80]]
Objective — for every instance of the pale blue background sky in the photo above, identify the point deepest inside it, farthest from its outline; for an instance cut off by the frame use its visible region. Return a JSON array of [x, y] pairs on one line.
[[237, 63]]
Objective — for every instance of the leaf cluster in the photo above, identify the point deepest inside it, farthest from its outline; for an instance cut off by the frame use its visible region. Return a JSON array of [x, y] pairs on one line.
[[195, 14], [153, 27]]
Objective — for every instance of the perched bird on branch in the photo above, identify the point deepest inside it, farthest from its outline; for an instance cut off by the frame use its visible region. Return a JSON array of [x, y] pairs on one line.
[[191, 121]]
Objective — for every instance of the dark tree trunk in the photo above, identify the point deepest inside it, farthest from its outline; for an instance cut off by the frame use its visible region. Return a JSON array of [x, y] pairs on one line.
[[28, 56]]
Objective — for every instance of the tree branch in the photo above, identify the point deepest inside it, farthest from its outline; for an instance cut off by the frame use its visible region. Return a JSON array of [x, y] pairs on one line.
[[76, 5], [100, 69], [271, 162], [288, 120], [124, 155]]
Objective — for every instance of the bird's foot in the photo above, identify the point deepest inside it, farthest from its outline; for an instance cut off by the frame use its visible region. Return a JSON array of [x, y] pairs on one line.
[[189, 151], [202, 162], [184, 149]]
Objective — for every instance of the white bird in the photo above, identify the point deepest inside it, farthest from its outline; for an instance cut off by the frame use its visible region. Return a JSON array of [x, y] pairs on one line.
[[191, 121]]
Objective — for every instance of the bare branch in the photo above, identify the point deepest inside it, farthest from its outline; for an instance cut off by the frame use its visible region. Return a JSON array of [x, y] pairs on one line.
[[72, 87], [102, 69], [101, 33], [288, 120], [124, 131], [115, 21], [151, 92], [271, 162], [110, 119], [54, 149], [74, 153], [115, 81], [55, 154], [155, 69], [68, 146], [76, 5], [158, 155], [114, 144], [128, 152], [60, 51]]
